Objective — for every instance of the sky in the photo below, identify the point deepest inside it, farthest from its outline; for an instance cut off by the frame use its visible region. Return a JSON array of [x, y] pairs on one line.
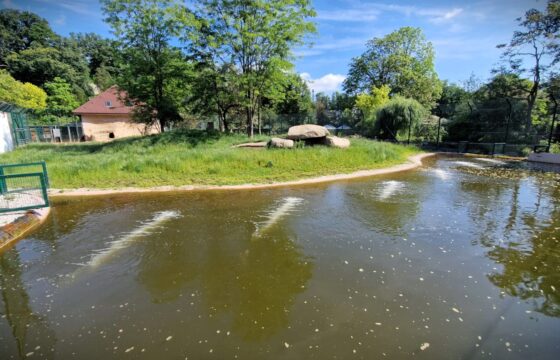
[[464, 33]]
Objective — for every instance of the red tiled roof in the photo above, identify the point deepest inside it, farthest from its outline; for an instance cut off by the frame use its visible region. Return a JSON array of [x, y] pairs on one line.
[[100, 103]]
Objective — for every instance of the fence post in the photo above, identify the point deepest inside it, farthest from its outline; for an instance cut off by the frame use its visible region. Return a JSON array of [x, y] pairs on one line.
[[44, 189], [3, 187], [44, 165]]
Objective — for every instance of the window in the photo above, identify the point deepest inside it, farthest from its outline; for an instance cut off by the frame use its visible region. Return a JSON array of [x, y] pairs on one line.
[[108, 103]]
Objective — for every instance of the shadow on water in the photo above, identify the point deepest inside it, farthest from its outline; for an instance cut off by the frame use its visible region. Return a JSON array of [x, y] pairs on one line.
[[31, 332]]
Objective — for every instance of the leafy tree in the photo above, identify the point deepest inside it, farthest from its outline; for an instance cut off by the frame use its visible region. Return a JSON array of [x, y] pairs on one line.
[[403, 60], [154, 73], [215, 92], [295, 98], [101, 56], [538, 42], [369, 103], [19, 30], [452, 96], [39, 65], [399, 117], [61, 100], [24, 95], [254, 37]]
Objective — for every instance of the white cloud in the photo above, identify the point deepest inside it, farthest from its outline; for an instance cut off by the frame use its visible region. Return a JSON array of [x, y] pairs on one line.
[[82, 7], [61, 20], [446, 16], [327, 83], [362, 12]]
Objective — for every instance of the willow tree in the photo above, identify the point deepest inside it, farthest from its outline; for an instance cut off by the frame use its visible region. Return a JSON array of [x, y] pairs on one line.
[[254, 37]]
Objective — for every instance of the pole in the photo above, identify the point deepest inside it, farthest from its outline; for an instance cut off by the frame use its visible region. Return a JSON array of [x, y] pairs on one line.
[[508, 120], [552, 125], [409, 124], [438, 128]]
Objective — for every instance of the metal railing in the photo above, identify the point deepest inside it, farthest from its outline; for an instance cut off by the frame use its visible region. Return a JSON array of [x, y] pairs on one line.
[[21, 190]]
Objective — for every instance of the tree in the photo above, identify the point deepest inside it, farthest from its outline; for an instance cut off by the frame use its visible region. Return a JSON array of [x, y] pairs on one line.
[[294, 98], [369, 103], [538, 42], [61, 101], [400, 116], [215, 92], [101, 56], [254, 37], [402, 60], [39, 65], [24, 95], [154, 73], [19, 30]]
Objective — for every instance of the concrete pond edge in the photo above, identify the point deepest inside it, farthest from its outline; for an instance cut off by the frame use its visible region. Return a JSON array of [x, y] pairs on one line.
[[412, 163], [21, 226]]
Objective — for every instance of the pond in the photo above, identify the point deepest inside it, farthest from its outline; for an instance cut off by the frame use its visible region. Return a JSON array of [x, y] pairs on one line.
[[459, 258]]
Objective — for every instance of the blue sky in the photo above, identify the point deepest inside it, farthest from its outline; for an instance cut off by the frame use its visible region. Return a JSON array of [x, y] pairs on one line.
[[464, 33]]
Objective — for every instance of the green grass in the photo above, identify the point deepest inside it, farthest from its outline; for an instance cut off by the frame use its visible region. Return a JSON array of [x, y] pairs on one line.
[[197, 158]]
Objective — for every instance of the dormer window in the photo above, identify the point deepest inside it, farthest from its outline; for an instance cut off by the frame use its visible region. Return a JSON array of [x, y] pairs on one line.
[[108, 103]]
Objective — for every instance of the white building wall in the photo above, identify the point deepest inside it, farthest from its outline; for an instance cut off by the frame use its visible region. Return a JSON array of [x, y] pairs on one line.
[[6, 141]]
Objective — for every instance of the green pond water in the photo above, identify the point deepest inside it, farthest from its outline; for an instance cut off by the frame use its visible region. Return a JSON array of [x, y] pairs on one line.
[[458, 259]]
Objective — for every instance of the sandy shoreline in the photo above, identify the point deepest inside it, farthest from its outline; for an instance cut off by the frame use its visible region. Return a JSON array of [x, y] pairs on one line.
[[413, 162]]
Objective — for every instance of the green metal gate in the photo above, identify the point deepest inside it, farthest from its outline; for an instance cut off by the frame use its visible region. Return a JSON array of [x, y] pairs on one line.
[[23, 186]]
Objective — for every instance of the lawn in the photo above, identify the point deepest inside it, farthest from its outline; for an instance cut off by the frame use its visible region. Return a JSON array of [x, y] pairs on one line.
[[197, 158]]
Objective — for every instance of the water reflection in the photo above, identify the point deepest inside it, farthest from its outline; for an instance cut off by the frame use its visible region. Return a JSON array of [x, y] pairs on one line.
[[520, 224], [31, 333], [253, 279]]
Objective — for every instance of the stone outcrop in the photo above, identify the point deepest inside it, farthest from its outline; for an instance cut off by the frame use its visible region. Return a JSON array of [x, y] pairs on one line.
[[304, 132], [337, 142], [280, 143]]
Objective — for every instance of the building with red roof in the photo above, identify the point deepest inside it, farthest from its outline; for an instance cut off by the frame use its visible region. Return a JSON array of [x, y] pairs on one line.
[[106, 117]]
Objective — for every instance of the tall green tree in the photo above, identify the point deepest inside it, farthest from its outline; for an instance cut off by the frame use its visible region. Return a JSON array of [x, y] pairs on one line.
[[19, 30], [534, 49], [39, 65], [398, 118], [403, 60], [154, 73], [102, 57], [255, 37]]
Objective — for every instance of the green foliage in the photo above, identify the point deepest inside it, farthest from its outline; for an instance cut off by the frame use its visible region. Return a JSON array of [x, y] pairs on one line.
[[154, 73], [403, 60], [395, 118], [253, 37], [198, 158], [369, 103], [61, 101], [39, 65], [19, 30], [295, 97], [24, 95]]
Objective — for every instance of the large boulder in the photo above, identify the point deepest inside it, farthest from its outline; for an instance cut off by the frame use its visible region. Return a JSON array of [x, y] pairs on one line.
[[280, 143], [303, 132], [337, 142]]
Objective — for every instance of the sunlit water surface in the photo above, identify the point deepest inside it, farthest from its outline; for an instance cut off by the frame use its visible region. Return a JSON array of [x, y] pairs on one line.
[[453, 260]]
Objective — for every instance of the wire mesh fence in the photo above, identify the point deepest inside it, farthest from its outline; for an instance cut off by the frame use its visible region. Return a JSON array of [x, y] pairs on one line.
[[23, 192], [23, 186]]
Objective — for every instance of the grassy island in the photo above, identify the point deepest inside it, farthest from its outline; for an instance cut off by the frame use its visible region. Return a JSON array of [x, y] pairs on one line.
[[198, 158]]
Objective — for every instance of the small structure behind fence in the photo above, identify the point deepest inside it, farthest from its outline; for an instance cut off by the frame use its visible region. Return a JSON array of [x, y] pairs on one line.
[[23, 186]]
